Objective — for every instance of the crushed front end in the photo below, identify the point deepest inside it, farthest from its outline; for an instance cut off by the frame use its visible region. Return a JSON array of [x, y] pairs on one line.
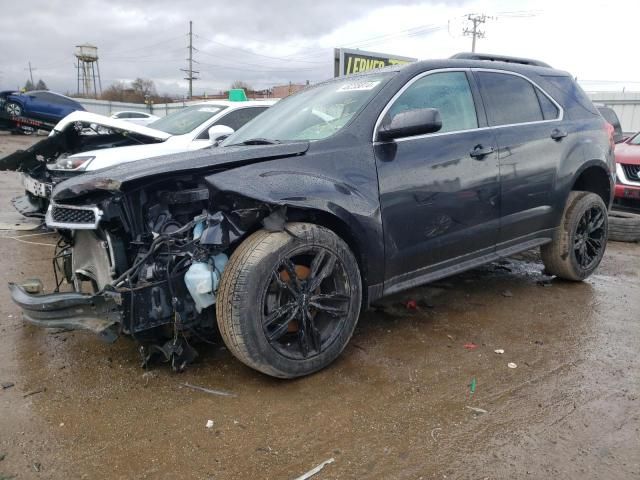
[[145, 263]]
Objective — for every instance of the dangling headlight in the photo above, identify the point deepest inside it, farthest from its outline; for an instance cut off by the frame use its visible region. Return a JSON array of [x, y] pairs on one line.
[[70, 163]]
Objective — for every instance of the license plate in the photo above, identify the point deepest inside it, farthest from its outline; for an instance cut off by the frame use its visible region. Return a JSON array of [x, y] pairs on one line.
[[39, 189], [631, 193]]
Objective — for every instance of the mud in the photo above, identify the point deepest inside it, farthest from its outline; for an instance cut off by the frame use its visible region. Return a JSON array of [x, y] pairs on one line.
[[394, 405]]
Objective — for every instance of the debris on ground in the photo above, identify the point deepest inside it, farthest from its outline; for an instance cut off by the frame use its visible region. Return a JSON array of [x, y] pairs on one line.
[[28, 394], [222, 393], [3, 456], [539, 342], [499, 351], [480, 411], [472, 385], [451, 338], [507, 293], [544, 283], [512, 365], [470, 346], [411, 305], [315, 470], [433, 432], [37, 467], [209, 424], [6, 385]]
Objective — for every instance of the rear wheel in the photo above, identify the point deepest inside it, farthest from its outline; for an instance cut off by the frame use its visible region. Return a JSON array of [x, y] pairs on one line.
[[13, 109], [579, 242], [289, 301]]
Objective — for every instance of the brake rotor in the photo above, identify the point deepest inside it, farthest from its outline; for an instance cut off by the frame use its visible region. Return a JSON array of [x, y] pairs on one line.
[[302, 272]]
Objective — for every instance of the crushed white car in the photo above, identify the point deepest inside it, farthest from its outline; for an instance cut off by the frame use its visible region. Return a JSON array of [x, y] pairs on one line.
[[83, 142]]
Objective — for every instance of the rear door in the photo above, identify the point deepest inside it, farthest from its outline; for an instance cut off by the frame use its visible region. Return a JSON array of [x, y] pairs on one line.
[[530, 136], [438, 194]]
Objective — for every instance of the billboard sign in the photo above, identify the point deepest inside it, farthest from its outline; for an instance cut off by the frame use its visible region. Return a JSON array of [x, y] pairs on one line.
[[349, 61]]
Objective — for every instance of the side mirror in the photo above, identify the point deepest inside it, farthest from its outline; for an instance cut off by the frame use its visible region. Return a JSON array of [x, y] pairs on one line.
[[411, 122], [219, 132]]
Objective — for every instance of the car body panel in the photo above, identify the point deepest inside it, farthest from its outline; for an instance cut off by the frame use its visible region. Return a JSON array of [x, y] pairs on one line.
[[43, 104]]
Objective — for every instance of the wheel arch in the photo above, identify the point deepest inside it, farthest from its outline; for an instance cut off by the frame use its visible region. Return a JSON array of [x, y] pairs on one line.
[[594, 176]]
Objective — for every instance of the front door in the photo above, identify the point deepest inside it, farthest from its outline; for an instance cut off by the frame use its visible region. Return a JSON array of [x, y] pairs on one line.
[[439, 193]]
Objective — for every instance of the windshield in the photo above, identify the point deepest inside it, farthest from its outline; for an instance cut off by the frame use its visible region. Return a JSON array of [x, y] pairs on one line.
[[186, 120], [312, 114]]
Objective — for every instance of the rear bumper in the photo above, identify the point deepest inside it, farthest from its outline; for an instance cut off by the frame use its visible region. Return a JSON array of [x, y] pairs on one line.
[[76, 311]]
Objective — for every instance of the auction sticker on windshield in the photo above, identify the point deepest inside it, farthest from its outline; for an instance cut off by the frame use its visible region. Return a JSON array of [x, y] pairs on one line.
[[363, 85]]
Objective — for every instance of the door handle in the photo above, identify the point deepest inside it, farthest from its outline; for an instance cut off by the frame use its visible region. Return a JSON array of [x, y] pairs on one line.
[[479, 152], [558, 134]]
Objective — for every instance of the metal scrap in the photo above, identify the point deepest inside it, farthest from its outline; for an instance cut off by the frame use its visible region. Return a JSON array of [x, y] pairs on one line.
[[222, 393]]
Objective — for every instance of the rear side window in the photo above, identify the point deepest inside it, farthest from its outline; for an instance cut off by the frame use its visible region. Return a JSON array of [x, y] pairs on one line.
[[449, 92], [549, 110], [509, 99], [575, 101], [238, 118]]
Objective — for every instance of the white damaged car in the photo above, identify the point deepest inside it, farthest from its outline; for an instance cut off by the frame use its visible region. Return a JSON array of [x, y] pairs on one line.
[[83, 142]]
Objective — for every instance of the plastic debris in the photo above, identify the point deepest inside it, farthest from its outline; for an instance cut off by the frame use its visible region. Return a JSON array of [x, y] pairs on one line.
[[6, 385], [507, 293], [470, 346], [499, 351], [315, 470], [40, 390], [472, 385], [481, 411], [512, 365], [434, 435], [411, 305], [209, 424], [222, 393]]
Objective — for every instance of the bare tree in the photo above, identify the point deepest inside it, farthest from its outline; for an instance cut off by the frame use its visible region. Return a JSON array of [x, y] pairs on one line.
[[241, 84]]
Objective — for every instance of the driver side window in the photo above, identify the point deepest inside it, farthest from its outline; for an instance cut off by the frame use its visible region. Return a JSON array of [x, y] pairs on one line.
[[449, 92]]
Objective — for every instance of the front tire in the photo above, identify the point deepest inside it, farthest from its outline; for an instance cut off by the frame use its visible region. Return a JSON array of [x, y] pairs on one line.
[[13, 109], [580, 241], [289, 301]]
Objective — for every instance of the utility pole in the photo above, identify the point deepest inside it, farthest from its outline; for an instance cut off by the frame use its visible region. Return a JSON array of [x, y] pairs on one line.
[[190, 71], [31, 69], [474, 32]]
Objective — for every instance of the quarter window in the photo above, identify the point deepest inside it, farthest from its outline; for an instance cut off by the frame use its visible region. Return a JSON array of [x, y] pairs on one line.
[[449, 92], [510, 99]]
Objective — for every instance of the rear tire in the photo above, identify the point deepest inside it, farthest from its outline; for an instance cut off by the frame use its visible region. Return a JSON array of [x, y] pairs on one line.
[[289, 301], [580, 241], [624, 227]]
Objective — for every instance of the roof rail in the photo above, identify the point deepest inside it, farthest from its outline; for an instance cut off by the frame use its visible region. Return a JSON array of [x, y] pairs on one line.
[[500, 58]]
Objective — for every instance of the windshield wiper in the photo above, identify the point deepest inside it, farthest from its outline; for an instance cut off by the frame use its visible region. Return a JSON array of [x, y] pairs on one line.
[[256, 141]]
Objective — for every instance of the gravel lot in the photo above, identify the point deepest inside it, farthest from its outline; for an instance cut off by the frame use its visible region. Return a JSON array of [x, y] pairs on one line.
[[395, 405]]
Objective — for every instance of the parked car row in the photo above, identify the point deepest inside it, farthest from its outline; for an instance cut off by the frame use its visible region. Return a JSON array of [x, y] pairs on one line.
[[352, 189]]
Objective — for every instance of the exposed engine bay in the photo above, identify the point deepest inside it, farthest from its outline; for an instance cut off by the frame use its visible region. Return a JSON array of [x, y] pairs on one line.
[[158, 254]]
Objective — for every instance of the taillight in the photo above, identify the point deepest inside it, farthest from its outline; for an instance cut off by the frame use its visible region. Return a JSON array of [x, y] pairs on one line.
[[610, 131]]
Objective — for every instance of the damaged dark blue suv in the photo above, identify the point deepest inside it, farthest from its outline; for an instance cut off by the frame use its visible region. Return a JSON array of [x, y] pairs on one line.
[[347, 191]]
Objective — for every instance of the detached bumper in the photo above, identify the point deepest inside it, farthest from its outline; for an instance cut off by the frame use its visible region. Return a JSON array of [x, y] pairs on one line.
[[76, 311]]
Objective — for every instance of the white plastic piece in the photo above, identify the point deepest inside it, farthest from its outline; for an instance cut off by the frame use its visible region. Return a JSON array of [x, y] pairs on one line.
[[209, 424], [202, 280], [512, 365], [499, 351]]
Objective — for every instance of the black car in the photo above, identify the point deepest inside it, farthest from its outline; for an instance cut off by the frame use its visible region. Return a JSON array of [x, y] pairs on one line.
[[350, 190]]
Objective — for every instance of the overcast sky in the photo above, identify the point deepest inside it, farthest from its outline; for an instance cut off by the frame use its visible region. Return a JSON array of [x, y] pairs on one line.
[[268, 42]]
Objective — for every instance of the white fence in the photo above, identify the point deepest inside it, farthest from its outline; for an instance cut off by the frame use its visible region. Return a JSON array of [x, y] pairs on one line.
[[105, 107], [625, 104]]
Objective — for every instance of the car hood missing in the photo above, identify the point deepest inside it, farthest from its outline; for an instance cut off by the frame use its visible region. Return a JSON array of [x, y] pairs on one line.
[[114, 178]]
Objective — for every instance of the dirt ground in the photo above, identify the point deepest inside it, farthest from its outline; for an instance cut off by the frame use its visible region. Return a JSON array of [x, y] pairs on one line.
[[394, 405]]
